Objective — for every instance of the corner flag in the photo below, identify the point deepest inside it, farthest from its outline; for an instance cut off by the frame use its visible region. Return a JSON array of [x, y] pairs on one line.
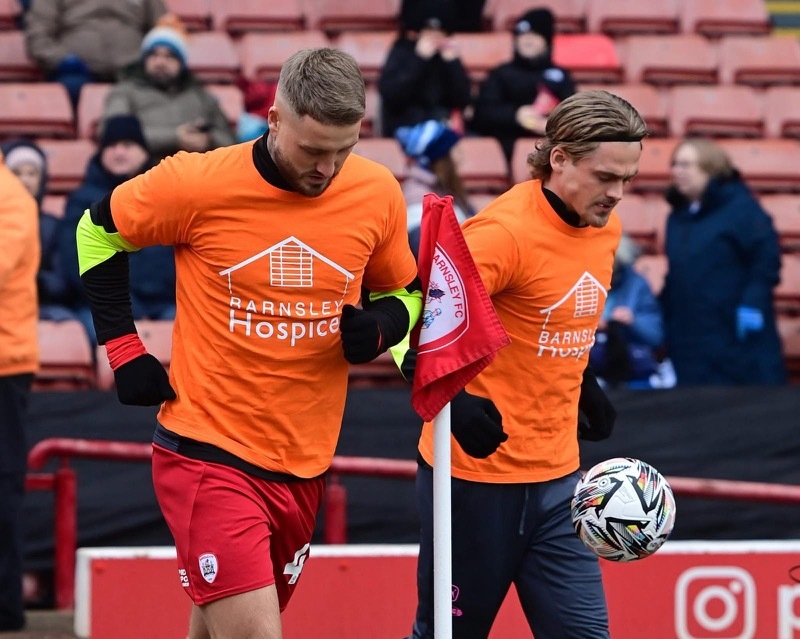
[[459, 333]]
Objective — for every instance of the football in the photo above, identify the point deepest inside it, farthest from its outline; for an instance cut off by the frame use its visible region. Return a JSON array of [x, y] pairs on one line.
[[623, 509]]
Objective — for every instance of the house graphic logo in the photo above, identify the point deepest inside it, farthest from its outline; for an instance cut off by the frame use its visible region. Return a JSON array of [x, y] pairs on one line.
[[585, 299], [303, 293]]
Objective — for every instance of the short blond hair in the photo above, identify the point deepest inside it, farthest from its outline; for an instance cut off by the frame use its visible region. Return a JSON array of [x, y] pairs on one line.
[[324, 84], [711, 158], [580, 123]]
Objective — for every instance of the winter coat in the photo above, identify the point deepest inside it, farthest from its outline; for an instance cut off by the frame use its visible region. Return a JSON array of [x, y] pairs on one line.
[[105, 34], [510, 86], [161, 111], [723, 256], [413, 89], [152, 269]]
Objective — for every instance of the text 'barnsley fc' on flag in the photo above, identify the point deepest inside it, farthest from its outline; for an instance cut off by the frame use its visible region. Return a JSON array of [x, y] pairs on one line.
[[459, 333]]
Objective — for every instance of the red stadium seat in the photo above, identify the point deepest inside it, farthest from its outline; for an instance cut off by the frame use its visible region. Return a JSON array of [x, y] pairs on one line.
[[759, 61], [35, 109], [482, 52], [767, 165], [66, 163], [230, 100], [90, 108], [787, 293], [624, 17], [385, 151], [263, 54], [570, 14], [733, 111], [482, 165], [381, 371], [590, 57], [785, 211], [654, 165], [9, 12], [646, 99], [54, 205], [256, 15], [654, 269], [789, 330], [335, 16], [369, 48], [194, 14], [782, 112], [371, 124], [213, 57], [15, 66], [523, 147], [638, 223], [670, 59], [481, 200], [65, 357], [715, 18]]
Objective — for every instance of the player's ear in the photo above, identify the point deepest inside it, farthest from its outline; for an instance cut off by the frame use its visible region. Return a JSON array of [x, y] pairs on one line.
[[558, 158], [273, 118]]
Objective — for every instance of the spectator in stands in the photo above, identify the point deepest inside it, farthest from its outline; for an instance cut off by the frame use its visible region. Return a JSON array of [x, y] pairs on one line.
[[79, 41], [122, 153], [423, 78], [631, 327], [176, 111], [516, 97], [723, 264], [433, 169], [467, 17], [19, 360], [28, 163]]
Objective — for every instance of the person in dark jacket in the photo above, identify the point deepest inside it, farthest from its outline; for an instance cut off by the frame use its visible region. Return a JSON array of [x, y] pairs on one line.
[[515, 98], [122, 154], [723, 263], [423, 77], [27, 161]]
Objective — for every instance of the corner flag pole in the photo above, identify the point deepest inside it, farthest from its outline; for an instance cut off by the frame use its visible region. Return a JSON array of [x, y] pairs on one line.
[[442, 528]]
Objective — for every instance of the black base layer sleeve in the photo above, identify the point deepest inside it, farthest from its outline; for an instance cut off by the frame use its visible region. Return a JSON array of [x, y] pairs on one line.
[[107, 287]]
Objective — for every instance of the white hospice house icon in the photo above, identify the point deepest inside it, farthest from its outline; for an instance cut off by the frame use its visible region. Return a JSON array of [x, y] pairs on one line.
[[586, 292]]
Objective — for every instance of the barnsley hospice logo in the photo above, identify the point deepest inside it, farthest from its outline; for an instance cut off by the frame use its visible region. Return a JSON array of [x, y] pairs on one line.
[[445, 318]]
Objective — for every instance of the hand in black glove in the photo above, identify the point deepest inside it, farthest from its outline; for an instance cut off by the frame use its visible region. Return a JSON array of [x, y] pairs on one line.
[[476, 424], [596, 415], [143, 382], [361, 335]]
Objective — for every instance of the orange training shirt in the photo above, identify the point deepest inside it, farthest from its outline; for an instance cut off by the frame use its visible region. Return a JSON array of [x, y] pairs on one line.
[[548, 282], [262, 276]]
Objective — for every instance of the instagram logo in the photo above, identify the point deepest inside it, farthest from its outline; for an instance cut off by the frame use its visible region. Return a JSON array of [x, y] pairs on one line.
[[715, 602]]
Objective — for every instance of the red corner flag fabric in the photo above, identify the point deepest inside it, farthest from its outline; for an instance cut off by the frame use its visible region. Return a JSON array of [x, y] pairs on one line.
[[459, 333]]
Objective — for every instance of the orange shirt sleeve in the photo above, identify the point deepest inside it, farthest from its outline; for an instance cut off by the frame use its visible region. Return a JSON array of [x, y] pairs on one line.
[[494, 250]]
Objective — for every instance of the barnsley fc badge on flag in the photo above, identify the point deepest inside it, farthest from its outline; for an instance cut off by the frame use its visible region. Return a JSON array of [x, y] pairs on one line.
[[459, 332]]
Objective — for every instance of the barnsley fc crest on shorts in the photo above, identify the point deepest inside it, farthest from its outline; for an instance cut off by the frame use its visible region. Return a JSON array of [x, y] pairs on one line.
[[208, 566]]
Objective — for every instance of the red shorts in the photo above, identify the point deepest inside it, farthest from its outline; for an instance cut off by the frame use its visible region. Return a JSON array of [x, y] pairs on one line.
[[234, 532]]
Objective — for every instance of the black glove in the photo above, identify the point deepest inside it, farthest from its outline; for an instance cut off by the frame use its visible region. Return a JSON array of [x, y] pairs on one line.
[[362, 340], [143, 382], [596, 415], [476, 424]]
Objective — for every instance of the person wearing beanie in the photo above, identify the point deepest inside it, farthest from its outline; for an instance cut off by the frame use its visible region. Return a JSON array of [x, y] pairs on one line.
[[516, 97], [175, 110], [423, 77]]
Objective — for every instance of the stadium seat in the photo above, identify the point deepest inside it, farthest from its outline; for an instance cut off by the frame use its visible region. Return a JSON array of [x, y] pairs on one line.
[[782, 112], [482, 52], [570, 14], [213, 57], [65, 357], [625, 17], [481, 200], [384, 151], [767, 165], [654, 269], [715, 18], [785, 211], [645, 98], [670, 59], [715, 111], [789, 330], [759, 61], [230, 100], [590, 57], [256, 15], [9, 12], [263, 54], [54, 205], [15, 66], [195, 14], [371, 124], [369, 48], [654, 165], [519, 159], [336, 16], [35, 109], [66, 163], [787, 293], [90, 108], [482, 165], [638, 223]]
